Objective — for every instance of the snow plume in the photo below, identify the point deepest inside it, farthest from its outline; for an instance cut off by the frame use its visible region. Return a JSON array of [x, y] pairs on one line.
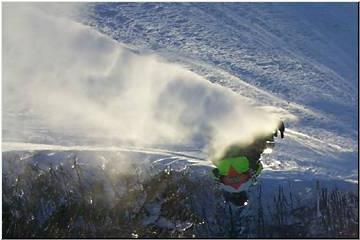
[[73, 79]]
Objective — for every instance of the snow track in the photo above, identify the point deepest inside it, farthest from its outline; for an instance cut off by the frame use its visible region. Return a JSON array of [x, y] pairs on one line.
[[316, 143], [177, 156]]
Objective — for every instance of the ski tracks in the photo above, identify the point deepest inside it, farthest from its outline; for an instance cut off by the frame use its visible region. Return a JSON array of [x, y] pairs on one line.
[[165, 154]]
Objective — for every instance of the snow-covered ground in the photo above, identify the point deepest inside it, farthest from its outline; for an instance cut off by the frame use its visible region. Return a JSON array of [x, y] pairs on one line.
[[297, 61]]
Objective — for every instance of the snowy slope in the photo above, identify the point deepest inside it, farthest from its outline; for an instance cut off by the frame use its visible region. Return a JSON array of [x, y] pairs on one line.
[[300, 58], [272, 46], [295, 60]]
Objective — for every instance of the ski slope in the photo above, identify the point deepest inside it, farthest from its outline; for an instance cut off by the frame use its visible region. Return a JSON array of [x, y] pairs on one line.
[[299, 59], [297, 62]]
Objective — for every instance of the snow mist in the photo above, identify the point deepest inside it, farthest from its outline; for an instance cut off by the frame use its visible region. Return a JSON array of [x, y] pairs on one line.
[[70, 78]]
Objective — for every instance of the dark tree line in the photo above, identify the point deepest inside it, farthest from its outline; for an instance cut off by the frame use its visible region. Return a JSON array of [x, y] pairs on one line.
[[73, 200]]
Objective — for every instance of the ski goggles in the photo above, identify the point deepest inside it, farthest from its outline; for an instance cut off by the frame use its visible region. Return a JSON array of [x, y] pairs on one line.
[[240, 164]]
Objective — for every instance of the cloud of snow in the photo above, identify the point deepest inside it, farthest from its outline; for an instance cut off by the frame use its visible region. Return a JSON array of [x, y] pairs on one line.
[[72, 78]]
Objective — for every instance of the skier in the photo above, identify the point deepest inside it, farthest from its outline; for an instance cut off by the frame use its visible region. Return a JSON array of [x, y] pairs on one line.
[[238, 169], [281, 128]]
